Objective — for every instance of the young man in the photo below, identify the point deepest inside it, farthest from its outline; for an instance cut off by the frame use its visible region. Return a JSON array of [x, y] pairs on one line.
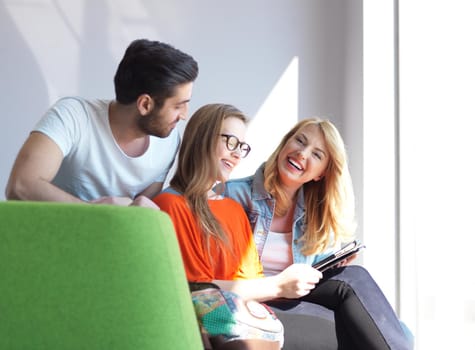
[[115, 152]]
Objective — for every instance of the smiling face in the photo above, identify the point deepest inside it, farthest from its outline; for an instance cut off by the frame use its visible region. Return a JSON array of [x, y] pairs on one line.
[[227, 159], [303, 158]]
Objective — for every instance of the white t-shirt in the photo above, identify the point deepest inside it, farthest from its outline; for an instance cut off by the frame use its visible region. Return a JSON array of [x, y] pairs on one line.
[[277, 253], [94, 165]]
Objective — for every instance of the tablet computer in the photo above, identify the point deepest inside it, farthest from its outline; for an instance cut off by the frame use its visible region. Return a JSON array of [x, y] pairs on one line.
[[346, 251]]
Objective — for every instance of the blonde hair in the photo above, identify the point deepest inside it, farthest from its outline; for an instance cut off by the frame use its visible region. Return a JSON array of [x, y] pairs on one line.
[[197, 168], [329, 202]]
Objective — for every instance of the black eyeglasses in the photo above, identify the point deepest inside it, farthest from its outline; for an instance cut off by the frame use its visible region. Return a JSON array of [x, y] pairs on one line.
[[232, 143]]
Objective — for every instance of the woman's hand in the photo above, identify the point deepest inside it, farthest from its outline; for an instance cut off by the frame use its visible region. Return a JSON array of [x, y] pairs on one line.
[[297, 280]]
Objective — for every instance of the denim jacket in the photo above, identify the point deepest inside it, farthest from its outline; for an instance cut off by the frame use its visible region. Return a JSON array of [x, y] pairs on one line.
[[260, 206]]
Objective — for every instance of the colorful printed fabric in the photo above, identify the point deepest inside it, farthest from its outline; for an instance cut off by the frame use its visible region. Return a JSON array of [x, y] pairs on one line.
[[225, 313]]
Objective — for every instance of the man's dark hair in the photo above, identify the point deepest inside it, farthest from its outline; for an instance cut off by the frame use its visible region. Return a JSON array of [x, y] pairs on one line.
[[154, 68]]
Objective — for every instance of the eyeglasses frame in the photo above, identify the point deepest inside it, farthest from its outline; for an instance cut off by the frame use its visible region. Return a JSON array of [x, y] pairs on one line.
[[239, 145]]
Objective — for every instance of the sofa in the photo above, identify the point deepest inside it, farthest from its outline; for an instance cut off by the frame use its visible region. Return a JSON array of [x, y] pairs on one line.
[[96, 277]]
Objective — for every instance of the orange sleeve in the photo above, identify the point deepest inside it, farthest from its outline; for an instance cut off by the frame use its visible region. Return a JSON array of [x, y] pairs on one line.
[[238, 259]]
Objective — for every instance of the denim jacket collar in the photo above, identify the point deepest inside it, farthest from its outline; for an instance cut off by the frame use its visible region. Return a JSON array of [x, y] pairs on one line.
[[258, 190]]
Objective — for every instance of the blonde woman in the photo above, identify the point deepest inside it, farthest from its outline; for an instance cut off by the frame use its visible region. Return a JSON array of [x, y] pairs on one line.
[[301, 208]]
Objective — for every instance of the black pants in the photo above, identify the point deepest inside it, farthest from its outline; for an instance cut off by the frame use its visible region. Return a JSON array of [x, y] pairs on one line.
[[346, 310]]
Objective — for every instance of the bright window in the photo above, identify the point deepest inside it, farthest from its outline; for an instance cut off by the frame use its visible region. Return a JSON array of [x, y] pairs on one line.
[[418, 146]]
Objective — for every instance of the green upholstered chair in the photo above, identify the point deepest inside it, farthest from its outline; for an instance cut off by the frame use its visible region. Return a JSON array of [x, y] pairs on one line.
[[79, 276]]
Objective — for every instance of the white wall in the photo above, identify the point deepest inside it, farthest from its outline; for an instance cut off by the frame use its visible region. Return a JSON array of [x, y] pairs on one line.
[[379, 146], [51, 49]]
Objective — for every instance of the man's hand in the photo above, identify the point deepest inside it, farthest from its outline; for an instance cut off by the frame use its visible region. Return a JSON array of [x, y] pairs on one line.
[[123, 201], [142, 201]]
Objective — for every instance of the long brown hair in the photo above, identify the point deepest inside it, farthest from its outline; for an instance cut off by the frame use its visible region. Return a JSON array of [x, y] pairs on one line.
[[197, 169], [329, 202]]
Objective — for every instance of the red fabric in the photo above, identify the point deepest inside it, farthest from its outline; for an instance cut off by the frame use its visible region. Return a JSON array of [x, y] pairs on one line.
[[238, 260]]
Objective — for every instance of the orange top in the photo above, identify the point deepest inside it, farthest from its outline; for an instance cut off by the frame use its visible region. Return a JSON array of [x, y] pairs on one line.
[[238, 260]]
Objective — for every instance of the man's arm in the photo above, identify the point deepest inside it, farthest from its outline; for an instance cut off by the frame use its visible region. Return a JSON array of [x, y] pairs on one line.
[[152, 190], [35, 167], [144, 198]]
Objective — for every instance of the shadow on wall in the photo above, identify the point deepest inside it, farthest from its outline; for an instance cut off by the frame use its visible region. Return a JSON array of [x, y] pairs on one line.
[[49, 51], [23, 92]]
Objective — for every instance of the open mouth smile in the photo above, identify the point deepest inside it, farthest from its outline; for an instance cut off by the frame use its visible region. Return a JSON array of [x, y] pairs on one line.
[[295, 164], [228, 164]]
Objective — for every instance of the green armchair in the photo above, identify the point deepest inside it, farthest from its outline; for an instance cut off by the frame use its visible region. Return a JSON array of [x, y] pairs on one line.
[[96, 277]]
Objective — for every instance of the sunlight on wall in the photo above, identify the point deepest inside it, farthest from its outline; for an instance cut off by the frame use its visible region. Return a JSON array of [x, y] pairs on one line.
[[277, 115]]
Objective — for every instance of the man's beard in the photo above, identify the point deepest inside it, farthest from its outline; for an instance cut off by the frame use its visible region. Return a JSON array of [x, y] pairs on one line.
[[150, 124]]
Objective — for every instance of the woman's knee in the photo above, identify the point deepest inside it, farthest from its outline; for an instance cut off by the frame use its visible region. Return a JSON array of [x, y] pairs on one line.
[[357, 277], [352, 273], [358, 271]]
